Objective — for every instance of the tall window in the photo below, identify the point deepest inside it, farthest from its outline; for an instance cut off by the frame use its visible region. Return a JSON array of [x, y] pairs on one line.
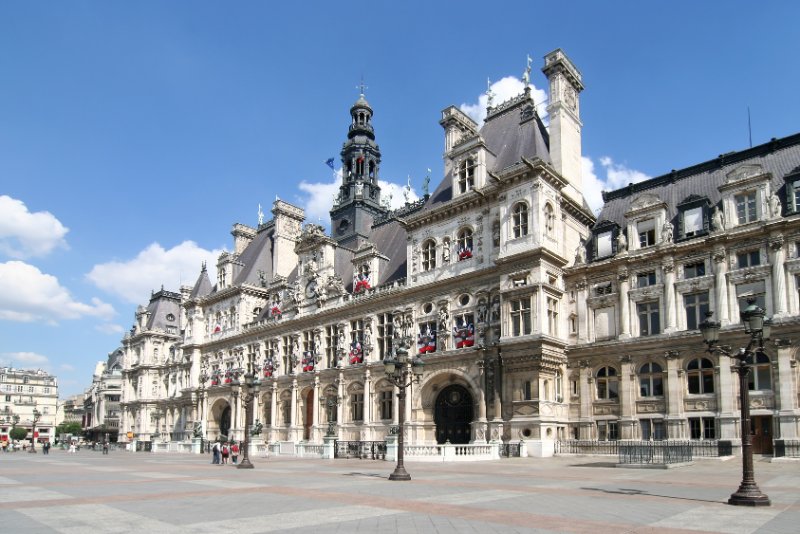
[[464, 244], [700, 376], [521, 219], [357, 406], [384, 334], [746, 207], [552, 316], [607, 384], [604, 244], [287, 354], [649, 320], [464, 330], [692, 221], [652, 429], [751, 291], [428, 255], [647, 233], [330, 346], [387, 397], [760, 377], [466, 175], [696, 306], [521, 316], [702, 428], [549, 219], [651, 380], [748, 259], [607, 431]]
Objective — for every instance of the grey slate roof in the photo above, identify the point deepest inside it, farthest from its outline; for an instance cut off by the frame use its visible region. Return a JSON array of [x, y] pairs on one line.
[[162, 304], [778, 157], [257, 256], [202, 286]]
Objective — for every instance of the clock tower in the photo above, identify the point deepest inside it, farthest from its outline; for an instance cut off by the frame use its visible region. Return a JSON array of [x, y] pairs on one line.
[[359, 199]]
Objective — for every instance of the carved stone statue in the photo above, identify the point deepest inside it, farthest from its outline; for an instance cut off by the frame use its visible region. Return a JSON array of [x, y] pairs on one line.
[[580, 253], [197, 431], [718, 220], [622, 243], [666, 232], [446, 251], [775, 206], [443, 319]]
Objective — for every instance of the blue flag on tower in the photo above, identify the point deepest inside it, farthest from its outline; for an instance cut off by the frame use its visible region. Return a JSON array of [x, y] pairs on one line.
[[329, 163]]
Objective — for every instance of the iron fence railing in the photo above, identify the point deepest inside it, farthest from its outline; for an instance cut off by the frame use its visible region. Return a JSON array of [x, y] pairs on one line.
[[365, 450], [587, 446], [654, 452], [709, 448], [787, 447], [509, 450]]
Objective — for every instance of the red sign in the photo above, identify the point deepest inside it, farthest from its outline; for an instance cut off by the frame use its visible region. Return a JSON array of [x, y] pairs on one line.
[[35, 434]]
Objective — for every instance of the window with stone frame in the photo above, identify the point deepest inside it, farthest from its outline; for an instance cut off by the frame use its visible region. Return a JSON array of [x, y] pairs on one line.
[[760, 377], [702, 428], [552, 316], [646, 230], [466, 175], [429, 255], [694, 269], [357, 406], [693, 222], [651, 380], [746, 207], [331, 359], [645, 279], [700, 376], [792, 193], [607, 383], [463, 330], [267, 413], [464, 244], [549, 220], [387, 404], [649, 318], [286, 353], [520, 219], [750, 258], [520, 314], [652, 429], [605, 245], [696, 306], [384, 335], [607, 431]]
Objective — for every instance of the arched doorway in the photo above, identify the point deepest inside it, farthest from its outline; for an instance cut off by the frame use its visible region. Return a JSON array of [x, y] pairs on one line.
[[225, 423], [453, 415], [309, 419]]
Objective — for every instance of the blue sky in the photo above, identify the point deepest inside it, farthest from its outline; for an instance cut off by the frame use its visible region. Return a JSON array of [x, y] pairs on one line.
[[134, 134]]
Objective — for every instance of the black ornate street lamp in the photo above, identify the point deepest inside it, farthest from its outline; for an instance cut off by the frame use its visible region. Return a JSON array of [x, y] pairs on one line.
[[398, 373], [758, 328], [156, 415], [36, 416], [252, 389]]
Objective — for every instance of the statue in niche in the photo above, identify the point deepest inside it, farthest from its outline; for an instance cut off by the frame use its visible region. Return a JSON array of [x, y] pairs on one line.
[[482, 311], [443, 319], [622, 243], [580, 252], [667, 232], [718, 219], [496, 309], [446, 251], [775, 206]]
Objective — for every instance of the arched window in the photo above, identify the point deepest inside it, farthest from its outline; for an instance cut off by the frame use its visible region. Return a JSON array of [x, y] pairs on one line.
[[760, 377], [700, 374], [607, 384], [429, 255], [651, 382], [520, 214], [549, 219], [464, 244], [466, 175]]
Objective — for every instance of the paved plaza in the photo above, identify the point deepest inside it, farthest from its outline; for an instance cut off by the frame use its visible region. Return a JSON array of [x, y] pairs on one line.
[[88, 492]]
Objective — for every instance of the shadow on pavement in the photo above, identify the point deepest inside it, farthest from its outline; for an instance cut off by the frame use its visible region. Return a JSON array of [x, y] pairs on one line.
[[627, 491]]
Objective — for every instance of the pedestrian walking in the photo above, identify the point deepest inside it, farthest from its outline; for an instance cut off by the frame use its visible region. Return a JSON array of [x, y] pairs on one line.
[[234, 452], [225, 453], [105, 447], [46, 447], [72, 448], [215, 453]]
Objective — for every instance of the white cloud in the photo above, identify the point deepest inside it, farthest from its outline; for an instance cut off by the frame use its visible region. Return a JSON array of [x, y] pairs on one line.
[[27, 295], [24, 359], [152, 268], [110, 328], [616, 176], [319, 196], [503, 90], [66, 367], [24, 234]]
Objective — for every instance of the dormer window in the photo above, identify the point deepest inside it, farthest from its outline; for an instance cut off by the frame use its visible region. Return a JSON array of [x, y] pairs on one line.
[[792, 193], [604, 247], [466, 175], [693, 215], [647, 233], [745, 207]]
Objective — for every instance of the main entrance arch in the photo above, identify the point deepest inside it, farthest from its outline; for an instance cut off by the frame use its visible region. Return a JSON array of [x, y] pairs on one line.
[[453, 414]]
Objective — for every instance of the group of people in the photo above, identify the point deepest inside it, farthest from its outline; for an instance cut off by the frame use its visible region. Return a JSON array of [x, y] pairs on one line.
[[222, 451], [10, 446]]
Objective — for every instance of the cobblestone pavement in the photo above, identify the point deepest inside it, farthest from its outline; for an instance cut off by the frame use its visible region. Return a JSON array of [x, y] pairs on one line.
[[88, 492]]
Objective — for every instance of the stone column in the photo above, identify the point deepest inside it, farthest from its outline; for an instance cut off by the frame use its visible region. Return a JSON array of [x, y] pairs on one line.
[[583, 310], [669, 292], [367, 398], [627, 398], [673, 391], [776, 245], [721, 280], [624, 304], [586, 386], [293, 411], [273, 410], [727, 392]]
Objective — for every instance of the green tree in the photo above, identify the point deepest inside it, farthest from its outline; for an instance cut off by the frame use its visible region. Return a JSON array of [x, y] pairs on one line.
[[72, 427], [18, 433]]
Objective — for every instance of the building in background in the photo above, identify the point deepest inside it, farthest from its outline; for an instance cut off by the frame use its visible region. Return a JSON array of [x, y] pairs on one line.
[[536, 320], [31, 396], [101, 414]]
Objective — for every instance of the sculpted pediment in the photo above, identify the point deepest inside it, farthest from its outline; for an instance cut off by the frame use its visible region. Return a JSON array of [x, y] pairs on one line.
[[645, 201], [743, 172]]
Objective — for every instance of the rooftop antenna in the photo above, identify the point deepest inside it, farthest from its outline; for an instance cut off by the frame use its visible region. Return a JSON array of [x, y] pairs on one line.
[[749, 127]]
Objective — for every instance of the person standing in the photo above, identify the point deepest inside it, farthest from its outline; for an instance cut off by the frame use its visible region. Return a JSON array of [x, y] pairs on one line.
[[225, 453], [234, 452], [46, 447], [215, 453], [105, 447]]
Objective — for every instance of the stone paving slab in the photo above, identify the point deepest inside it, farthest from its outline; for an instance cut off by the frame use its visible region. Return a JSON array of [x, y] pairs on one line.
[[145, 492]]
